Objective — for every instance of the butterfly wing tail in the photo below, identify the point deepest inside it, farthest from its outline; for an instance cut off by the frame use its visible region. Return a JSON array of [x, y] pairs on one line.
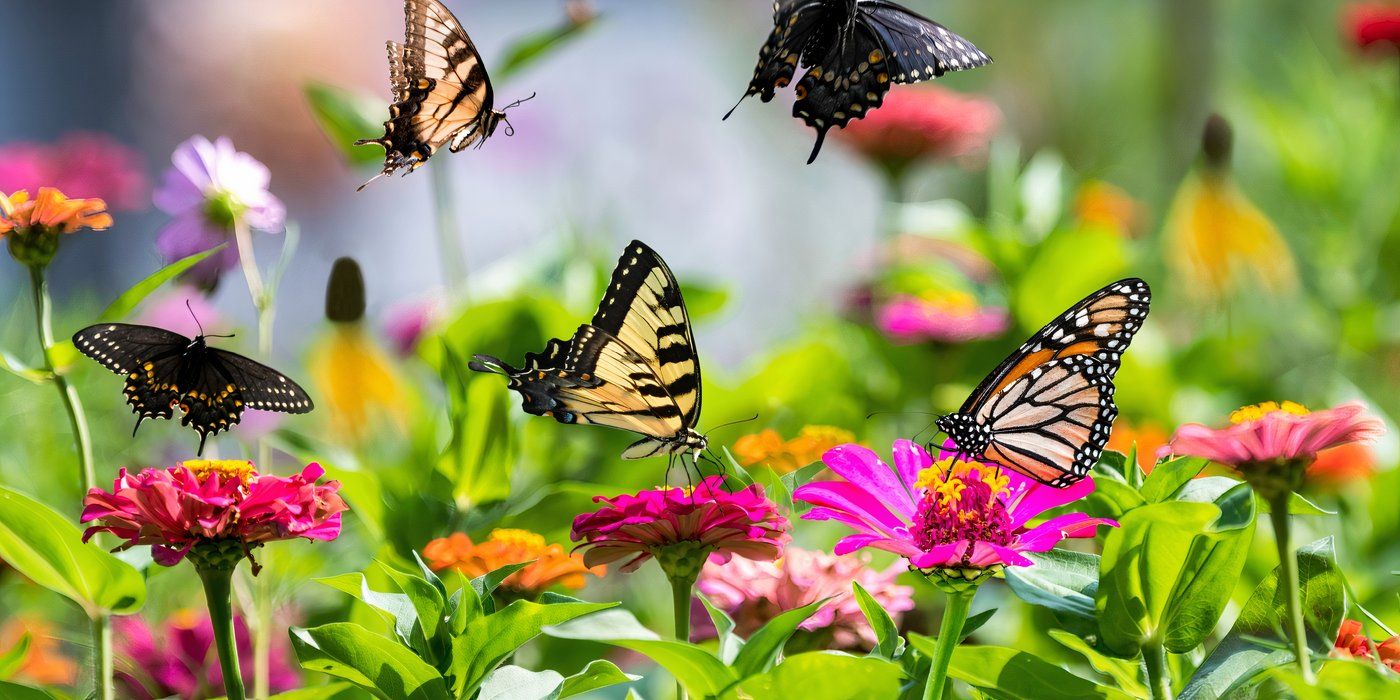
[[817, 147]]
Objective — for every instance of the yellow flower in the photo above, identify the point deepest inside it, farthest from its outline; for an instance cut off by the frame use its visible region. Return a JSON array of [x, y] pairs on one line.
[[240, 469], [356, 382], [768, 448], [946, 479], [550, 564], [1257, 411]]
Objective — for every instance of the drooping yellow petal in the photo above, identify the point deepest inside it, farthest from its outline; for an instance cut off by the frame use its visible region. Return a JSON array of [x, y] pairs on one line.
[[1218, 242]]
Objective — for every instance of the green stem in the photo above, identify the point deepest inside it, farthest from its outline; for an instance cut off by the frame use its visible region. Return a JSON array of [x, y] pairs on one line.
[[1154, 656], [102, 657], [949, 634], [1288, 583], [681, 588], [450, 253], [218, 591]]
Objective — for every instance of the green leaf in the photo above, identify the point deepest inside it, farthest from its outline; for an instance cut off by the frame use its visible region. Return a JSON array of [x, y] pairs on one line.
[[1124, 673], [704, 300], [975, 622], [127, 301], [597, 674], [480, 454], [761, 650], [886, 632], [398, 607], [13, 365], [1011, 673], [729, 643], [373, 662], [11, 659], [489, 640], [329, 691], [1208, 577], [42, 544], [1168, 477], [1298, 505], [698, 671], [533, 47], [1255, 644], [823, 675], [798, 477], [1341, 679], [1097, 257], [428, 605], [516, 683], [15, 691], [487, 583], [1063, 580], [345, 116]]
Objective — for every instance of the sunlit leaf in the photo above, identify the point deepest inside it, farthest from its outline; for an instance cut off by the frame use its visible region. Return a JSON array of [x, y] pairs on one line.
[[127, 301], [700, 672], [346, 116], [822, 675], [373, 662], [888, 642], [762, 648], [489, 640], [13, 365], [1012, 673], [533, 47]]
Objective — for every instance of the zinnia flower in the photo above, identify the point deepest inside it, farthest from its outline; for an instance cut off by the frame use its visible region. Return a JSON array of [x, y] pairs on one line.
[[32, 226], [768, 448], [1339, 466], [1148, 438], [549, 564], [1373, 25], [80, 164], [178, 659], [752, 593], [1271, 443], [44, 662], [222, 506], [1352, 643], [682, 527], [949, 317], [357, 384], [211, 188], [922, 122], [961, 520]]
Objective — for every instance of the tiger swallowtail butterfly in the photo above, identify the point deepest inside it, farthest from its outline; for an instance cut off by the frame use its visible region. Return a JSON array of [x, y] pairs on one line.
[[165, 370], [1046, 411], [852, 51], [633, 367], [442, 95]]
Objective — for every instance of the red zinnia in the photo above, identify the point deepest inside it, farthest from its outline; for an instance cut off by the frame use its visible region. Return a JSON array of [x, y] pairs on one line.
[[923, 122], [1373, 24]]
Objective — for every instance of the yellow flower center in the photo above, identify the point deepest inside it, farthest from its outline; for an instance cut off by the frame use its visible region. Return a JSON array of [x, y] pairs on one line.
[[1258, 411], [241, 469], [946, 479], [185, 618], [524, 539], [953, 301]]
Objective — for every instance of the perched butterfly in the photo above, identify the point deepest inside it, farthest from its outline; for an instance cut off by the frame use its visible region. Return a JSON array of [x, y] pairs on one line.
[[1046, 410], [165, 370], [852, 51], [634, 367], [442, 94]]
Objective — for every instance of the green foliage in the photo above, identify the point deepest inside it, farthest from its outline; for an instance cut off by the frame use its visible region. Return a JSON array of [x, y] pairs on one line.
[[16, 691], [480, 454], [532, 48], [346, 116], [127, 301], [889, 644], [1012, 673]]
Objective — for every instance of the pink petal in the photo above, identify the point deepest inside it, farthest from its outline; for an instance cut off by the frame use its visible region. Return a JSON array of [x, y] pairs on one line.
[[862, 467]]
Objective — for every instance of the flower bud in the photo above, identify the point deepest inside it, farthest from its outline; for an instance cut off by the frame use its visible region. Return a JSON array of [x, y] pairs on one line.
[[345, 292]]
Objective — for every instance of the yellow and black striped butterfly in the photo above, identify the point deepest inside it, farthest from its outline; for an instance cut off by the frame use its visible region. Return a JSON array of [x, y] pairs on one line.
[[633, 367], [1046, 411], [165, 370], [442, 95]]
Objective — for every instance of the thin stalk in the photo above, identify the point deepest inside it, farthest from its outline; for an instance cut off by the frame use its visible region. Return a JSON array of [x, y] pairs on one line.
[[1154, 657], [1288, 584], [451, 255], [102, 657], [681, 588], [218, 590], [949, 634]]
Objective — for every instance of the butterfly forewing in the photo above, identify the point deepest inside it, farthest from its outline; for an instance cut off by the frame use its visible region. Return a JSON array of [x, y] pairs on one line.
[[920, 48]]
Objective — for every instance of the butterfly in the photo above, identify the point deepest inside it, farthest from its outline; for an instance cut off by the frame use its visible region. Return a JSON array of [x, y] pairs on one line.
[[1046, 411], [633, 367], [442, 95], [852, 52], [165, 370]]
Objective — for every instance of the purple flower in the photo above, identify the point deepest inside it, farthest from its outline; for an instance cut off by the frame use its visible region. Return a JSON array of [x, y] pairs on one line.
[[210, 188], [406, 322], [179, 660]]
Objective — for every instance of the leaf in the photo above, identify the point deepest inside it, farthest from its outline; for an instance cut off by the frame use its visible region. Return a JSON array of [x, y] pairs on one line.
[[345, 116], [397, 606], [886, 632], [1124, 673], [1341, 679], [490, 639], [1011, 673], [12, 658], [823, 675], [764, 645], [486, 583], [729, 643], [373, 662], [13, 365], [533, 47], [127, 301], [1208, 577], [1168, 477], [479, 456], [1063, 580], [516, 683], [1255, 644], [42, 544], [703, 300], [15, 691], [796, 478], [1096, 257], [697, 670], [329, 691], [597, 674], [975, 622], [1298, 505], [428, 605]]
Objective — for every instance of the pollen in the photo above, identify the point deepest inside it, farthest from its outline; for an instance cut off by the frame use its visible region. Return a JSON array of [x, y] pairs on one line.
[[1257, 411], [240, 469]]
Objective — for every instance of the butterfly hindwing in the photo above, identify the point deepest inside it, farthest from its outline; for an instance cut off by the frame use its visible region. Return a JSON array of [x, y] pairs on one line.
[[918, 47]]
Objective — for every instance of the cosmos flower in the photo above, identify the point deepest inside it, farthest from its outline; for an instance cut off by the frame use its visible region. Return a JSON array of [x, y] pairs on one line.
[[178, 660], [44, 662], [210, 188], [768, 448], [753, 592], [80, 164], [32, 226], [1373, 26], [549, 564], [947, 317], [959, 519], [920, 123]]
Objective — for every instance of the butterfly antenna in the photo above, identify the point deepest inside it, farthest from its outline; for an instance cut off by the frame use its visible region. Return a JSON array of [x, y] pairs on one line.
[[872, 414], [734, 422], [190, 309], [518, 102], [926, 427]]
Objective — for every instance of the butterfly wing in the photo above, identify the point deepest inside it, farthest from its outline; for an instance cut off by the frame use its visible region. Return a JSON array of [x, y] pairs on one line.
[[919, 48], [441, 91], [148, 357], [795, 25], [850, 80], [257, 385]]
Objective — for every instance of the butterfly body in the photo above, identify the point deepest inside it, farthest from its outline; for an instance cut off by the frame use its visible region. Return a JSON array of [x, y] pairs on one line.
[[165, 371], [1047, 410]]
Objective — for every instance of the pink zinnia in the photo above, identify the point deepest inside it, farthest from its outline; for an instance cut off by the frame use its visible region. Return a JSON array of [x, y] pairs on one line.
[[752, 593], [178, 660], [680, 527], [922, 122], [910, 319], [219, 503], [960, 519], [81, 165]]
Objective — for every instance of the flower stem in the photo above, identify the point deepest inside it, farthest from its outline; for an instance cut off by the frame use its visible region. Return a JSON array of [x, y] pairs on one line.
[[1154, 657], [450, 253], [1288, 583], [949, 634], [681, 587], [218, 590], [102, 657]]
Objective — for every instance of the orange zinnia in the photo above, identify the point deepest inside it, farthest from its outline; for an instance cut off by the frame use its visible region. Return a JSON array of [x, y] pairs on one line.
[[1148, 438], [51, 212], [768, 448], [550, 564]]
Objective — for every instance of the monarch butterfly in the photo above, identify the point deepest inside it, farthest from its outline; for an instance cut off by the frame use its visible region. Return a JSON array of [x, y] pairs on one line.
[[164, 370], [633, 367], [1047, 409], [853, 51]]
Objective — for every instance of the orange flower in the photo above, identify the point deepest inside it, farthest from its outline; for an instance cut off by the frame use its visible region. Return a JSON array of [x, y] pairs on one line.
[[51, 212], [1107, 206], [43, 664], [1353, 643], [768, 448], [551, 564], [1338, 466], [1148, 437]]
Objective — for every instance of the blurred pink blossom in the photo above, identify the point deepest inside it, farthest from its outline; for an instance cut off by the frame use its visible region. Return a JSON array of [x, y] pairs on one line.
[[923, 122], [168, 310], [178, 659], [406, 322], [911, 319], [81, 165]]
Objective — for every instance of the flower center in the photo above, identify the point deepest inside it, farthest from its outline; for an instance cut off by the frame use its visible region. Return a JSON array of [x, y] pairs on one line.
[[222, 209], [240, 469], [519, 539], [1258, 411], [961, 501]]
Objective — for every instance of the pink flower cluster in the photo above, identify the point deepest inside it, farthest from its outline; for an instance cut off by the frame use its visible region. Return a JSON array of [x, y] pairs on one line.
[[200, 501], [924, 122]]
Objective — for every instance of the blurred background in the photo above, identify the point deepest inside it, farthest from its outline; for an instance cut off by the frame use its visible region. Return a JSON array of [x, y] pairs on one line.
[[926, 242]]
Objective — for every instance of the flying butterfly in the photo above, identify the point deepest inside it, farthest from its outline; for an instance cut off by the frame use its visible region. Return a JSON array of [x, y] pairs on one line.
[[852, 51], [633, 367], [442, 95], [1046, 411], [165, 370]]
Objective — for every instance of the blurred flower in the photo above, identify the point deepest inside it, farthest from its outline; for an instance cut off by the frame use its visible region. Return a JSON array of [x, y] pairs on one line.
[[1216, 238], [682, 527], [1373, 25], [960, 520], [1353, 643], [922, 122], [406, 322], [178, 659], [81, 164], [358, 385], [1271, 443], [220, 503], [1147, 437], [752, 593], [32, 226], [44, 663], [210, 188], [549, 563], [768, 448], [1339, 466], [184, 310], [1101, 204], [947, 317]]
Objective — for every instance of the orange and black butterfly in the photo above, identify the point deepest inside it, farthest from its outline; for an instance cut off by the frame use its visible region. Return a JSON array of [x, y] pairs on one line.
[[1046, 411]]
